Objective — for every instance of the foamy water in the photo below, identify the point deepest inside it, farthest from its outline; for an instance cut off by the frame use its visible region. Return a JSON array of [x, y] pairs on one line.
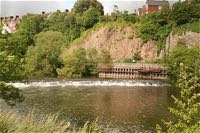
[[77, 83]]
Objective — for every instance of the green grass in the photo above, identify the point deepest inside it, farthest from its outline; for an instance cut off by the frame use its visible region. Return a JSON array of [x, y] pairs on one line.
[[182, 29], [11, 122]]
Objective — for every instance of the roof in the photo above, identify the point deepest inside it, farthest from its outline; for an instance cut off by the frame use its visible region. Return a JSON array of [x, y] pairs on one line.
[[157, 3]]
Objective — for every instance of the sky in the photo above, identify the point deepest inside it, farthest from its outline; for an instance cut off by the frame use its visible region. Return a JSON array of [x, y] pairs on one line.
[[22, 7]]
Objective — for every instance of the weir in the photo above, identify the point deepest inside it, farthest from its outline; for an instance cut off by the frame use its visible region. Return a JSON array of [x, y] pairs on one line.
[[133, 71]]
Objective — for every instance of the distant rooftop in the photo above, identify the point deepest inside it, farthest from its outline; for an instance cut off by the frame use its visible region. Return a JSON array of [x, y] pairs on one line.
[[157, 3]]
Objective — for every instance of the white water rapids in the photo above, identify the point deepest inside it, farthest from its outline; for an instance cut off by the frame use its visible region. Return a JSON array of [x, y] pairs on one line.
[[77, 83]]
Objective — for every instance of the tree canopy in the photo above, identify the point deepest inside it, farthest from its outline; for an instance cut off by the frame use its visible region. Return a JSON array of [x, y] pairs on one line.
[[185, 12], [42, 60], [83, 5], [183, 54]]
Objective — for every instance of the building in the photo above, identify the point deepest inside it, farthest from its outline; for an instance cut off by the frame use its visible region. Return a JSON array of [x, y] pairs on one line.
[[9, 24], [152, 6]]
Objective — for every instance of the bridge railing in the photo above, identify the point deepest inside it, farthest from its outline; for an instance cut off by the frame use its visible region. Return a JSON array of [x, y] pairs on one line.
[[134, 65]]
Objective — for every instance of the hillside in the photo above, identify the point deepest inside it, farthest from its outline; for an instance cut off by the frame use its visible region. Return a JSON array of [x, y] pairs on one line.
[[122, 42]]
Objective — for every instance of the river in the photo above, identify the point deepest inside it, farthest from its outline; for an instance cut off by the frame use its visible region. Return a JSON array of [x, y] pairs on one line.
[[127, 105]]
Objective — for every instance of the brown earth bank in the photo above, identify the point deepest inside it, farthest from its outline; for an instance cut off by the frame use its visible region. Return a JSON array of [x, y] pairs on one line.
[[122, 43]]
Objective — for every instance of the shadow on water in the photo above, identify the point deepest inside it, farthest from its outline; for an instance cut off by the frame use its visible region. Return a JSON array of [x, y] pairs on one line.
[[123, 107]]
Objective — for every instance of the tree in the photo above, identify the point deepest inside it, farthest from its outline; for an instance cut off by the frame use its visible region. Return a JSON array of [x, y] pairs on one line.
[[186, 109], [80, 63], [105, 58], [42, 60], [10, 70], [83, 5], [165, 15], [32, 23], [149, 27], [74, 64], [56, 22], [10, 94], [11, 67], [90, 17], [57, 17], [17, 43], [185, 12], [74, 24], [92, 62], [12, 50], [182, 54]]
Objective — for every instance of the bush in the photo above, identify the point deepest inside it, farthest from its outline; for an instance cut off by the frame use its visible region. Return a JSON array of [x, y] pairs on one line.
[[74, 64], [82, 63], [10, 94], [137, 56], [182, 54], [186, 109], [127, 60]]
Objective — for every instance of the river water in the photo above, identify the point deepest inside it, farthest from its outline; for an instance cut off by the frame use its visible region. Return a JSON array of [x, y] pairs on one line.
[[127, 105]]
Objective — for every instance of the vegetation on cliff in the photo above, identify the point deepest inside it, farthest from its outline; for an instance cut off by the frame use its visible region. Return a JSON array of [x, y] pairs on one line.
[[190, 56]]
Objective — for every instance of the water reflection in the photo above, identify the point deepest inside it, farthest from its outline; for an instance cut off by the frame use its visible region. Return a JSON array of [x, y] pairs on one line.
[[118, 107]]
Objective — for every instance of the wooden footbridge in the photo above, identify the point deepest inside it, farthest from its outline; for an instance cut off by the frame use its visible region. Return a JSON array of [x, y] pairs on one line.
[[132, 71]]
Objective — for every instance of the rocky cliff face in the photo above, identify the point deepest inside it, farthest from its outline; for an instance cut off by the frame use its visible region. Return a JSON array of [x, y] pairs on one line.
[[191, 38], [122, 43]]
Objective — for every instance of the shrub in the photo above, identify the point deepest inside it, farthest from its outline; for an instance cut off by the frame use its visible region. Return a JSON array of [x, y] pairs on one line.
[[137, 56], [186, 109], [10, 94]]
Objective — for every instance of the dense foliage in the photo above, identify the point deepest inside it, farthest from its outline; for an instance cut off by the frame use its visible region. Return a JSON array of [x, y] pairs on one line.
[[74, 64], [184, 16], [83, 5], [182, 54], [42, 59], [185, 12], [186, 109], [156, 26], [32, 24], [10, 94], [82, 63], [12, 50]]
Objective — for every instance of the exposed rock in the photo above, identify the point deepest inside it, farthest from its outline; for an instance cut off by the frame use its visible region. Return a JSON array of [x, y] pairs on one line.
[[121, 43], [191, 38]]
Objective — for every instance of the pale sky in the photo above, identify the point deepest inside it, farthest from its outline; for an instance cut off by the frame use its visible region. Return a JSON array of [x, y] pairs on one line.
[[21, 7]]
